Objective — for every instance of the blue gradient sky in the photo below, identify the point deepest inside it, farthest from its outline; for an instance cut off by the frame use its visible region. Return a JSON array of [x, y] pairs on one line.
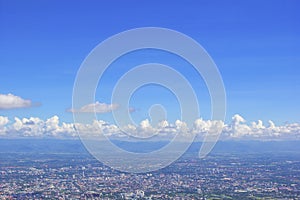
[[255, 44]]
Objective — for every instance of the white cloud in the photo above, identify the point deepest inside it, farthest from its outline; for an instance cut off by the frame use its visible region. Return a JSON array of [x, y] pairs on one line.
[[36, 127], [10, 101], [96, 107], [3, 120], [237, 129]]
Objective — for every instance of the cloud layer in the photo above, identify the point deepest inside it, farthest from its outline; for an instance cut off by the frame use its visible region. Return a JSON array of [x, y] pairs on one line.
[[238, 129], [10, 101]]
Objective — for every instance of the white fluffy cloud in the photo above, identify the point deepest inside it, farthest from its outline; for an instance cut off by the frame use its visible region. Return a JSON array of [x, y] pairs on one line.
[[239, 129], [3, 120], [36, 127], [236, 129], [10, 101], [96, 107]]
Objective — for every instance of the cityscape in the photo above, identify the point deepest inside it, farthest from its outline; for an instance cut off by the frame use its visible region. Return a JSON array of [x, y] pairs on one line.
[[77, 175]]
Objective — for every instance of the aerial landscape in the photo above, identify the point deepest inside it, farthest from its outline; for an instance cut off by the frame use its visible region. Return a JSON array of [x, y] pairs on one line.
[[67, 171], [150, 99]]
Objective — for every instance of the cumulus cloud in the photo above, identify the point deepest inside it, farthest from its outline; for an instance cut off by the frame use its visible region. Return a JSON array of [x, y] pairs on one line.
[[10, 101], [36, 127], [3, 120], [95, 107], [237, 129]]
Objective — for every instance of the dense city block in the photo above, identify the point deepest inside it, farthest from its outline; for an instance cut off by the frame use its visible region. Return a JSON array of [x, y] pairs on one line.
[[218, 176]]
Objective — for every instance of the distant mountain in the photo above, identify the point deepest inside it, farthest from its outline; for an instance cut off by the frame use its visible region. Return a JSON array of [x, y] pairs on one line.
[[41, 146], [75, 146]]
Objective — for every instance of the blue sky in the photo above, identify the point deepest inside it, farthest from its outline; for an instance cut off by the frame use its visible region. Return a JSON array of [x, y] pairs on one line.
[[255, 44]]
